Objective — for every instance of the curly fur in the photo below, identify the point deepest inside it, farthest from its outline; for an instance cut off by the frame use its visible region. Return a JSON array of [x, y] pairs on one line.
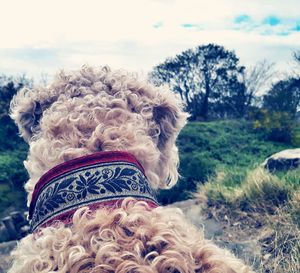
[[92, 110], [132, 238]]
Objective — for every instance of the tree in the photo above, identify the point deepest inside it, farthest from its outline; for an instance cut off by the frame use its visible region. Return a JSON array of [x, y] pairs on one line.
[[8, 88], [294, 67], [208, 79], [277, 116], [256, 79], [296, 56], [284, 96], [12, 147]]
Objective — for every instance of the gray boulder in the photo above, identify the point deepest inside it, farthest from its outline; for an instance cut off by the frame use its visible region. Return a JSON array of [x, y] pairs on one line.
[[283, 161], [5, 258]]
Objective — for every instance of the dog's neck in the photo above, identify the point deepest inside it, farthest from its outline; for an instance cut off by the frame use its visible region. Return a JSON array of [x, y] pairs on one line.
[[103, 179]]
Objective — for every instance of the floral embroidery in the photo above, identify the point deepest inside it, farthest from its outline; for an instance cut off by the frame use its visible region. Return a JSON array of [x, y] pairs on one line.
[[89, 184]]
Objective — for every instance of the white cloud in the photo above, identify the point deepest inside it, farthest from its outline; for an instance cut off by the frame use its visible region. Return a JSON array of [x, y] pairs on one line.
[[137, 34]]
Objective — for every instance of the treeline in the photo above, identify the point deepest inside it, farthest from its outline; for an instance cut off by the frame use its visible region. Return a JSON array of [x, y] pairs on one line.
[[13, 149], [214, 85]]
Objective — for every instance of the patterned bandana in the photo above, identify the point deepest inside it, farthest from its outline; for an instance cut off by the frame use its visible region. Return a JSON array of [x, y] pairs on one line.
[[102, 179]]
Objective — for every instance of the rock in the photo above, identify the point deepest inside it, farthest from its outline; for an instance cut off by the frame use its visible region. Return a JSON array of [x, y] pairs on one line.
[[284, 160], [5, 263], [10, 227], [6, 248], [4, 236], [5, 259], [13, 227]]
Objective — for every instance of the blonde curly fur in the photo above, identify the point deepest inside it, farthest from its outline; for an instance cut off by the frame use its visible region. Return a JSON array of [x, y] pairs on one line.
[[93, 110], [129, 239]]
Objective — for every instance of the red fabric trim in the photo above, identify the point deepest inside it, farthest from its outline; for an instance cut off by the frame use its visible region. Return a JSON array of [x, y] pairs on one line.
[[100, 157], [66, 217]]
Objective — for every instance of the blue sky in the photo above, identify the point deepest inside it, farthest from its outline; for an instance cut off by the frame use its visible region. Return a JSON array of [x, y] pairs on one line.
[[42, 36]]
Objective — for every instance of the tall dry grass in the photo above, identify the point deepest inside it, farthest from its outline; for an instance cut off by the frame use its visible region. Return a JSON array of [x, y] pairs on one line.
[[268, 207]]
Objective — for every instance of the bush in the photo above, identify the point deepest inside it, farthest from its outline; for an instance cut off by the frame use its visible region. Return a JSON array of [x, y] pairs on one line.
[[11, 200], [12, 171], [278, 126]]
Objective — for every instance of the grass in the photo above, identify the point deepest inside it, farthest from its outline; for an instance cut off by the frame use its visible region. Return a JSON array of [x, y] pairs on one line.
[[209, 147], [256, 188], [240, 191], [260, 201], [229, 142], [281, 250]]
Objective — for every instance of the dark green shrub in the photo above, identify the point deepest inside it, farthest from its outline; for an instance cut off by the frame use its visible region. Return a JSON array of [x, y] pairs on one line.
[[12, 171], [277, 125]]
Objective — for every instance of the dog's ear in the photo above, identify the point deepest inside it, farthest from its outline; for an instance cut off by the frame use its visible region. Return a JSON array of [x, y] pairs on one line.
[[26, 111], [170, 120]]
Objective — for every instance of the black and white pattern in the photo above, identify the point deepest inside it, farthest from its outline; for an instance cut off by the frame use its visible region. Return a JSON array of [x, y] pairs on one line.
[[87, 185]]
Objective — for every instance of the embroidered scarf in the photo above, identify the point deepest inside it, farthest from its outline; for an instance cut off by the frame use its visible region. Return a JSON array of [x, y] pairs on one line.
[[102, 179]]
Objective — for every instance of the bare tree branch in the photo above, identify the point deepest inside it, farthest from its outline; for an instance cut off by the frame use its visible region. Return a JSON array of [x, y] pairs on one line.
[[257, 78], [296, 56]]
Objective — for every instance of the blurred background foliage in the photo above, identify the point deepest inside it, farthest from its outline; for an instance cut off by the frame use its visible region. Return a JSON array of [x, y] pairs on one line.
[[13, 149]]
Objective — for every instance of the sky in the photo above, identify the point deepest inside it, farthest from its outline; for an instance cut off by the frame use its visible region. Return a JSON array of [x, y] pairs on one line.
[[39, 37]]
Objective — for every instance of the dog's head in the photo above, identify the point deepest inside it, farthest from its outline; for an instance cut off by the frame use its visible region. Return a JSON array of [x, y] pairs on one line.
[[93, 110]]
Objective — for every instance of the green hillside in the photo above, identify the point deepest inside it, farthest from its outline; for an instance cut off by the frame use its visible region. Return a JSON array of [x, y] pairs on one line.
[[208, 147], [205, 148]]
